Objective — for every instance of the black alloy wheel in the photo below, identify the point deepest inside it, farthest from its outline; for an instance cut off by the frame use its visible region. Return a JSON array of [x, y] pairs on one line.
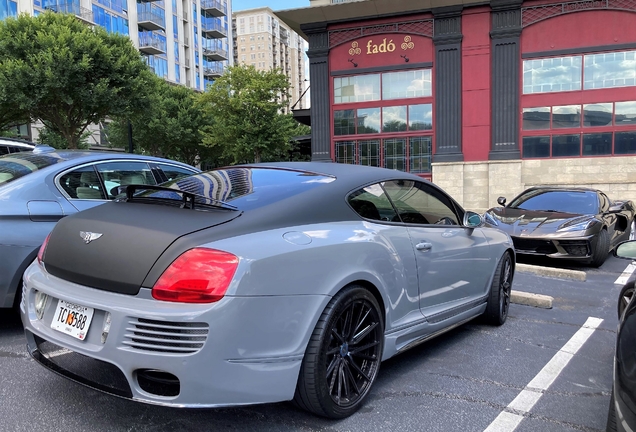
[[625, 297], [500, 291], [343, 356]]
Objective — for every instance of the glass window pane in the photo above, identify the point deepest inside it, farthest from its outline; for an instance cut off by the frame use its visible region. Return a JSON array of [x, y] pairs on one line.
[[115, 174], [421, 117], [613, 69], [625, 113], [346, 152], [357, 88], [566, 116], [343, 122], [406, 84], [395, 153], [372, 203], [419, 203], [536, 147], [597, 144], [368, 120], [599, 114], [536, 118], [566, 145], [420, 159], [394, 119], [369, 152], [552, 75], [625, 142]]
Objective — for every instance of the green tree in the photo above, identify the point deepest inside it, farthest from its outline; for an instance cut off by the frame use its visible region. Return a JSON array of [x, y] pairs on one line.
[[170, 126], [67, 74], [245, 106]]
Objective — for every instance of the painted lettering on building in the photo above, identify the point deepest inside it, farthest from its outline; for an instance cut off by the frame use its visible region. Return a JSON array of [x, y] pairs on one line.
[[384, 45]]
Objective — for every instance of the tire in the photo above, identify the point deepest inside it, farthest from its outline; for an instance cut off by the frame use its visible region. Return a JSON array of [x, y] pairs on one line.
[[343, 356], [627, 292], [611, 415], [600, 249], [500, 290]]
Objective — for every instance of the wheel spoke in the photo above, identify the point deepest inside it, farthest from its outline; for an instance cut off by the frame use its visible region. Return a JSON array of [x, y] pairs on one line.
[[335, 333], [332, 366], [346, 327], [363, 356], [361, 319], [334, 376], [341, 381], [363, 347], [350, 375], [333, 351], [364, 375], [357, 338]]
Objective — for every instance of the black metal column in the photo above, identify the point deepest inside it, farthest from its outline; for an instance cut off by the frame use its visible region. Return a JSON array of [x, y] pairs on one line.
[[447, 38], [318, 54], [505, 37]]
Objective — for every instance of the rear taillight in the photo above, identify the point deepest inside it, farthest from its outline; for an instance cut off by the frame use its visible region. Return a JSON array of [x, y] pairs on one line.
[[43, 249], [199, 275]]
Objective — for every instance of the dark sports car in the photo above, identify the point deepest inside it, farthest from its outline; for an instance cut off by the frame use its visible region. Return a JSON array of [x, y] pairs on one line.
[[572, 223], [260, 283], [622, 409]]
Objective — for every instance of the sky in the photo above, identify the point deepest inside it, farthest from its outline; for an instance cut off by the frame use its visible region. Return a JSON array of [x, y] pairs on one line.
[[275, 5]]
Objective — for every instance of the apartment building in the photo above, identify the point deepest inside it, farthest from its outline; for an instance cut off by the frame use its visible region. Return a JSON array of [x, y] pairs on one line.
[[186, 42], [263, 41]]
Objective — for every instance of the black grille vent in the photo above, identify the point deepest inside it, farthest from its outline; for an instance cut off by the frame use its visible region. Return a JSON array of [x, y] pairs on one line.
[[534, 246], [165, 336]]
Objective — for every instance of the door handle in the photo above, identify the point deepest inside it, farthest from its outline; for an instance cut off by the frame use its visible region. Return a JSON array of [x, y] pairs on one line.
[[424, 246]]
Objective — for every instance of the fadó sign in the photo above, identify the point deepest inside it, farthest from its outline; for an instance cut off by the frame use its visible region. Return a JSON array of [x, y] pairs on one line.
[[381, 50]]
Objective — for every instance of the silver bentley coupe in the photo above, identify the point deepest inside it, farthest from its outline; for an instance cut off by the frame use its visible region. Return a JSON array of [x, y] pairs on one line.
[[260, 283]]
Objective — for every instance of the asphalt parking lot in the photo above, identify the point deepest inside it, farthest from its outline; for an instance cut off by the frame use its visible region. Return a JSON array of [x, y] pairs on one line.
[[461, 381]]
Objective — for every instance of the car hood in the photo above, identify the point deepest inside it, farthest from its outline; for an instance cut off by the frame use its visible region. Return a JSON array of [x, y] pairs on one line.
[[112, 247], [532, 223]]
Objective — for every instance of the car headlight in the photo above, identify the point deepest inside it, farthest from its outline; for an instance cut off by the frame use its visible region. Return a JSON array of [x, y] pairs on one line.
[[576, 225]]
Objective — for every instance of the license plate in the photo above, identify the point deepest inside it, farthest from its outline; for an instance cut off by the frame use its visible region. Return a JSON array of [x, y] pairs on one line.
[[72, 319]]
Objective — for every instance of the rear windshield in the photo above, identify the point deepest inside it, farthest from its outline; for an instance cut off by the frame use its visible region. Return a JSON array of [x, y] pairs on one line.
[[18, 165], [579, 202], [245, 188]]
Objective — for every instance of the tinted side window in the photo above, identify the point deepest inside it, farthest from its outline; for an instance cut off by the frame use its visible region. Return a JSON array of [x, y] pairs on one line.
[[419, 203], [4, 150], [115, 174], [173, 172], [83, 183], [372, 203]]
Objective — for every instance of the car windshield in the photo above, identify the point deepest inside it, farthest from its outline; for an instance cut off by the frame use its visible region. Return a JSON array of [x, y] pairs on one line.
[[578, 202], [18, 165], [245, 188]]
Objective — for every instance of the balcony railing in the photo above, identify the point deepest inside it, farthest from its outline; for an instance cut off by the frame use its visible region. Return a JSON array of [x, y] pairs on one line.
[[150, 20], [214, 7], [216, 54], [152, 43], [213, 29], [75, 9], [213, 71]]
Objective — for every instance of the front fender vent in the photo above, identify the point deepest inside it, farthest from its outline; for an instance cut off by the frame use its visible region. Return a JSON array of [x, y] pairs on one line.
[[165, 336]]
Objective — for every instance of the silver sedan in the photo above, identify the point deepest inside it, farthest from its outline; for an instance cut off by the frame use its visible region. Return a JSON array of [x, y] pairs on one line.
[[260, 283]]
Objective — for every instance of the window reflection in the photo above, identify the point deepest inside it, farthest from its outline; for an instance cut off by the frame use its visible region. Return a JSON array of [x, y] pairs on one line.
[[625, 142], [394, 153], [357, 88], [368, 120], [370, 152], [407, 84], [536, 118], [566, 116], [420, 148], [597, 144], [552, 74], [421, 117], [394, 119], [599, 114], [345, 152], [566, 145], [607, 70], [625, 113], [343, 122]]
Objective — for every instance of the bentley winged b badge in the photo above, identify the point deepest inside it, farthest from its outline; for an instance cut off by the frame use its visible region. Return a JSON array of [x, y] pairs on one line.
[[89, 236]]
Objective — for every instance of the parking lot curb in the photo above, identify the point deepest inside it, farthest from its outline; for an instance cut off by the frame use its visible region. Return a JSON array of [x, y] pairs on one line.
[[529, 299], [552, 272]]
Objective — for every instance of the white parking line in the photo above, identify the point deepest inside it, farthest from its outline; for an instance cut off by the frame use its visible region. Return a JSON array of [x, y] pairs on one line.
[[624, 277], [509, 419]]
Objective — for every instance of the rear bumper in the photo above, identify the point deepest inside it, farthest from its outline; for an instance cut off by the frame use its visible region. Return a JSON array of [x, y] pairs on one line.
[[566, 248], [238, 351]]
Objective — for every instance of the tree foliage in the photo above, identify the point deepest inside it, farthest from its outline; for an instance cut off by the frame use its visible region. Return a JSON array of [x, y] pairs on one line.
[[245, 107], [170, 126], [67, 74]]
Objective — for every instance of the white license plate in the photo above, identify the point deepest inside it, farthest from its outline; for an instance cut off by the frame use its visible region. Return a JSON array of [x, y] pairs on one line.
[[72, 319]]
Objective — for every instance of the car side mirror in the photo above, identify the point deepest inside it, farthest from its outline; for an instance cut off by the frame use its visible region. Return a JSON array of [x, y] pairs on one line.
[[616, 208], [473, 220], [501, 201], [626, 250]]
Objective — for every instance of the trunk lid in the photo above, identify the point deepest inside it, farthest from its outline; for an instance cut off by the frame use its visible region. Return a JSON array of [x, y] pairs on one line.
[[112, 247]]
